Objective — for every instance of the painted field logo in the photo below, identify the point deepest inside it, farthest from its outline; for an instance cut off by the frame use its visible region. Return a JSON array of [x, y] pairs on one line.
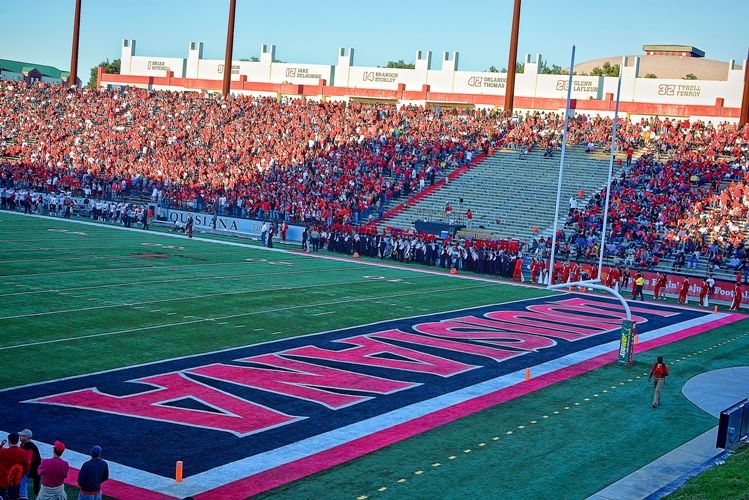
[[271, 405]]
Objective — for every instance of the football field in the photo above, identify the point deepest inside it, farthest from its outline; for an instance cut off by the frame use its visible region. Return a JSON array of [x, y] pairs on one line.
[[287, 375]]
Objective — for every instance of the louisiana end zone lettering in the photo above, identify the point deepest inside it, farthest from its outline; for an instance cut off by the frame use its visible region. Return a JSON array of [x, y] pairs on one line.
[[308, 394]]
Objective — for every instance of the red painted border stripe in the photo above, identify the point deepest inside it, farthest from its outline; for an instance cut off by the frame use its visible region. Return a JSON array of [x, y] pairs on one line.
[[284, 474]]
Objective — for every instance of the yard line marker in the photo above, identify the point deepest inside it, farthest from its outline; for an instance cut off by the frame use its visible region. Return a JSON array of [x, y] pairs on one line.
[[324, 313], [239, 326], [276, 333], [239, 315], [228, 277], [155, 310], [235, 292], [184, 238], [257, 329], [170, 314]]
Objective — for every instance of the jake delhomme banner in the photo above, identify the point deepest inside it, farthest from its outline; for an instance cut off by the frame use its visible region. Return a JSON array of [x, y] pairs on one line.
[[249, 227], [265, 414]]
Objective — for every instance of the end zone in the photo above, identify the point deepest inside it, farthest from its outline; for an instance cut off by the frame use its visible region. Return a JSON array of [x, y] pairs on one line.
[[279, 411]]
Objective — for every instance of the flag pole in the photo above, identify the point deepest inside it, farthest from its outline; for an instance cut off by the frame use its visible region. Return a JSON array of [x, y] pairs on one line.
[[611, 169], [561, 168]]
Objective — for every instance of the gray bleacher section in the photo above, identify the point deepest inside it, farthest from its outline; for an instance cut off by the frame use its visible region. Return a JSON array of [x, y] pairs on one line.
[[509, 195]]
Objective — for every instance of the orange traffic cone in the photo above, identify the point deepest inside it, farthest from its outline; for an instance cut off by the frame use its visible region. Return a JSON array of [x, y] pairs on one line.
[[453, 270]]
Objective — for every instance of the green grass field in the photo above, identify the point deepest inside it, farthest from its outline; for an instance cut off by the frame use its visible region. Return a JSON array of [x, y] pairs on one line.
[[76, 299]]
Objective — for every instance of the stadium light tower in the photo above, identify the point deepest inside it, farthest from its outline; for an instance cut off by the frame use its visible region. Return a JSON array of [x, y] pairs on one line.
[[512, 62], [744, 117], [229, 47], [73, 78]]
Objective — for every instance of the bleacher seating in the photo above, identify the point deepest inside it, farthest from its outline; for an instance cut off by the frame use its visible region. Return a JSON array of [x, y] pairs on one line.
[[509, 195]]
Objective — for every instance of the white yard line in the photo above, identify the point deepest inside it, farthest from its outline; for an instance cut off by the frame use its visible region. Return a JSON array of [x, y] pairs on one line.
[[129, 269], [227, 277], [239, 315], [227, 349], [167, 252], [297, 253], [138, 305]]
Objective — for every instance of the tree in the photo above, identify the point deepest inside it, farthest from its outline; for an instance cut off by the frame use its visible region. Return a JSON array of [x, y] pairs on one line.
[[605, 70], [690, 76], [650, 75], [519, 68], [112, 68], [493, 69], [554, 69], [400, 64]]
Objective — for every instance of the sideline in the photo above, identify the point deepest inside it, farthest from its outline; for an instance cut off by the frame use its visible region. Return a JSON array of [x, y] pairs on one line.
[[296, 253], [711, 392]]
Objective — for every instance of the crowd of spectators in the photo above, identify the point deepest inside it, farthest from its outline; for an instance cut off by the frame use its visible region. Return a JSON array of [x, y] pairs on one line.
[[328, 163], [684, 200], [288, 159]]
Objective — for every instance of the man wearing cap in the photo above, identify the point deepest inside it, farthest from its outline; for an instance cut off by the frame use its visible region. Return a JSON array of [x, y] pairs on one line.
[[53, 472], [93, 472], [14, 463], [26, 444]]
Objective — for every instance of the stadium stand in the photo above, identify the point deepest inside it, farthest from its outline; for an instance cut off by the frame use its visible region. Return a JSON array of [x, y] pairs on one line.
[[332, 163]]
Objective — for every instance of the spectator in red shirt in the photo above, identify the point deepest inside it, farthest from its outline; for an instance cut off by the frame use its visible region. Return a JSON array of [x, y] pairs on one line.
[[14, 464], [659, 372], [53, 472]]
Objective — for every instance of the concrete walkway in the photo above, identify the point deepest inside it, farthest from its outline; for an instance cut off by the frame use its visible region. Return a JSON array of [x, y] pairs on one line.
[[712, 392]]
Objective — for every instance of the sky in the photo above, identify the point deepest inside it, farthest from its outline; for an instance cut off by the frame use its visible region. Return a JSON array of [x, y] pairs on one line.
[[40, 31]]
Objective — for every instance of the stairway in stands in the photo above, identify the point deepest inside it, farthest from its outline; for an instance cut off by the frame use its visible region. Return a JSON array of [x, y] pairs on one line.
[[509, 195]]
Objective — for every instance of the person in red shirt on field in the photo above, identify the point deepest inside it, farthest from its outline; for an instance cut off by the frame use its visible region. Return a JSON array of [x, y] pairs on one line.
[[659, 372], [660, 284], [535, 269], [517, 274], [737, 296], [566, 272], [683, 291], [704, 290], [614, 276], [53, 472], [284, 229], [14, 464]]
